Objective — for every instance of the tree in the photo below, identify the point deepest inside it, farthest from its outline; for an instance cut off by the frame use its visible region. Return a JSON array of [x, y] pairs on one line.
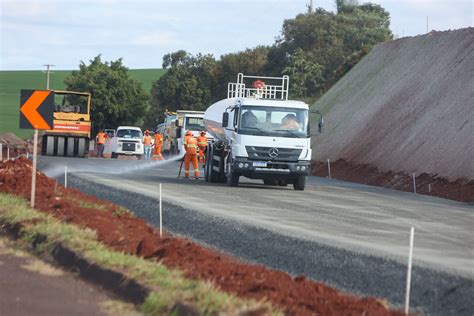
[[307, 75], [117, 99], [187, 84], [327, 44], [250, 62]]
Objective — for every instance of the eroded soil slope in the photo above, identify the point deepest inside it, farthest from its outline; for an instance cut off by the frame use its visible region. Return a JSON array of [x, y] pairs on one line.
[[408, 106]]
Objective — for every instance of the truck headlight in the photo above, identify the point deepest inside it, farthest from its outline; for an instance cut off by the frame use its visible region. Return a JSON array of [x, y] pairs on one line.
[[120, 144], [246, 165], [303, 168], [241, 165], [298, 168], [139, 146]]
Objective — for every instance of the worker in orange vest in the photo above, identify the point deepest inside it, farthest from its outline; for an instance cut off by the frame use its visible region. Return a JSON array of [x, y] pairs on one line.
[[100, 139], [147, 145], [158, 146], [202, 144], [190, 146]]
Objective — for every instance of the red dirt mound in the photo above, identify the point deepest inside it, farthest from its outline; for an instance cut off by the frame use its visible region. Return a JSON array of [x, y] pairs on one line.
[[428, 184], [119, 230]]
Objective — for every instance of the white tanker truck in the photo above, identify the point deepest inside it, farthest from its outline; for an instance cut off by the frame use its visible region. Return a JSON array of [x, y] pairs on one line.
[[259, 134]]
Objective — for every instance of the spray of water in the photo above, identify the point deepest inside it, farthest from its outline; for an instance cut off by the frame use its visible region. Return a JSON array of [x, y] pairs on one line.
[[54, 166]]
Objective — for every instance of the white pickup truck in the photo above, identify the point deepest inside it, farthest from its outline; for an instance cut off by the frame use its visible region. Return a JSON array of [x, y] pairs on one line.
[[128, 141]]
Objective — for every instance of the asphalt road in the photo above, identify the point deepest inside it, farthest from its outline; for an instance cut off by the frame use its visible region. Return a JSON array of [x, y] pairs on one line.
[[352, 236]]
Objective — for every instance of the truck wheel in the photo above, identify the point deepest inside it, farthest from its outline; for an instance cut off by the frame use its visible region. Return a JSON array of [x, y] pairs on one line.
[[214, 163], [282, 183], [81, 147], [70, 147], [61, 147], [206, 167], [299, 183], [233, 179], [49, 145]]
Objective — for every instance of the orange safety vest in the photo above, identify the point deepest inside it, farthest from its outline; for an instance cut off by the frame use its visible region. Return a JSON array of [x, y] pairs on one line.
[[202, 141], [101, 138], [191, 146], [186, 138], [147, 140], [158, 140]]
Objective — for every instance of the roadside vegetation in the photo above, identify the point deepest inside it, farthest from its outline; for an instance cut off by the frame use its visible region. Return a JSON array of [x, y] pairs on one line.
[[169, 287]]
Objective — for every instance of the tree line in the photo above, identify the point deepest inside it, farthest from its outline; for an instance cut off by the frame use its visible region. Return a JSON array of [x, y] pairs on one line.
[[315, 49]]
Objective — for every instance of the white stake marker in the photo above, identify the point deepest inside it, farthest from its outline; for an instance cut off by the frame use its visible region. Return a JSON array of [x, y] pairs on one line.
[[65, 176], [8, 153], [329, 169], [414, 183], [1, 152], [410, 258], [429, 187], [161, 213]]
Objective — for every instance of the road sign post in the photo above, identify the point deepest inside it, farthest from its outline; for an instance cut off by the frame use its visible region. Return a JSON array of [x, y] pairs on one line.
[[36, 112], [33, 175]]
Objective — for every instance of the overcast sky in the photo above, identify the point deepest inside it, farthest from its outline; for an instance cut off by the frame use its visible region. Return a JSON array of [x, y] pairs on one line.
[[64, 32]]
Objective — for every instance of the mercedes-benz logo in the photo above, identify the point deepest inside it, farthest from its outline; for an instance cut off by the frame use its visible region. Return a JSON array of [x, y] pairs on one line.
[[273, 152]]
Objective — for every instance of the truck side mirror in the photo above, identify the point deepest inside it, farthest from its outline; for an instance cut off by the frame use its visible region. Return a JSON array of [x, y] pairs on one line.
[[178, 131], [321, 125], [176, 123], [225, 119]]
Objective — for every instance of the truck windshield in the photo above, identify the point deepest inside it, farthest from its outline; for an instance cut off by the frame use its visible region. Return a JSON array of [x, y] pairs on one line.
[[194, 123], [129, 133], [273, 121]]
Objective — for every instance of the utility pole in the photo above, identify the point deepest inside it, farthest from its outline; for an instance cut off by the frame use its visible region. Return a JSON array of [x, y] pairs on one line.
[[48, 71]]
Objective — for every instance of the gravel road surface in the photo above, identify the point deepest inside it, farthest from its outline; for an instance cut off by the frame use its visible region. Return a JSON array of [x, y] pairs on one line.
[[352, 236]]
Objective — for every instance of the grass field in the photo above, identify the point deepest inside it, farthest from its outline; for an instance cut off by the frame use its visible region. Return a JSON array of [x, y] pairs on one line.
[[11, 82]]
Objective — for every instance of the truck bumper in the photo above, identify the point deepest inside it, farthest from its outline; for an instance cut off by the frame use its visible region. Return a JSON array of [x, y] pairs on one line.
[[264, 169]]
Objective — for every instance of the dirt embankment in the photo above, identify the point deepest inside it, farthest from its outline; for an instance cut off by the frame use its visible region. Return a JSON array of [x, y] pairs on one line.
[[121, 231], [459, 190], [15, 145], [407, 107]]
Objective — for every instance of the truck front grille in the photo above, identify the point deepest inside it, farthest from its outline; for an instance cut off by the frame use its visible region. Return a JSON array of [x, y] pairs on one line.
[[268, 153]]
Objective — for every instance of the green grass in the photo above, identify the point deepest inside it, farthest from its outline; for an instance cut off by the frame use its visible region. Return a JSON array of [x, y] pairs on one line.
[[11, 82], [170, 284]]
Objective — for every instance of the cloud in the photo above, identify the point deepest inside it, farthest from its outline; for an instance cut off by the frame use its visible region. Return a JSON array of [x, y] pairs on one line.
[[156, 38]]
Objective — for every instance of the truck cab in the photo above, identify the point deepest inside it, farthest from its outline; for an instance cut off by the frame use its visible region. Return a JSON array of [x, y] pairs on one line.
[[260, 134], [128, 141]]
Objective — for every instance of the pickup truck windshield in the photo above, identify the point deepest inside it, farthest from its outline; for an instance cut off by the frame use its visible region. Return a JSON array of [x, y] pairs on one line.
[[194, 123], [273, 121], [129, 133]]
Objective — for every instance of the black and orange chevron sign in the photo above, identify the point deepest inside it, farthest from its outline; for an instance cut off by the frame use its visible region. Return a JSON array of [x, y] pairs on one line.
[[36, 109]]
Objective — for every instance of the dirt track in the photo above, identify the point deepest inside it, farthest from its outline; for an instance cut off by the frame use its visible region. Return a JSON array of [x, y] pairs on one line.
[[406, 107]]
